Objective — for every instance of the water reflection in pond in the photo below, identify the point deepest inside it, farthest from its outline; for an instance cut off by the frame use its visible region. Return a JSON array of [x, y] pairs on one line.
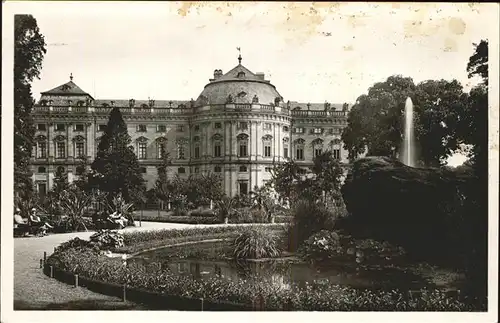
[[283, 273]]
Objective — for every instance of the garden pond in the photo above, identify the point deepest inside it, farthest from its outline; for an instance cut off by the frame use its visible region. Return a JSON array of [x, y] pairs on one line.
[[210, 261]]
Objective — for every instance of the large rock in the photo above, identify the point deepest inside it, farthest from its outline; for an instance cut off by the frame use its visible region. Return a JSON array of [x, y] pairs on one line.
[[416, 208]]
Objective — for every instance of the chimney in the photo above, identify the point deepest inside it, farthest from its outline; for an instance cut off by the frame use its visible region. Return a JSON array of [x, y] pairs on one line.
[[260, 75]]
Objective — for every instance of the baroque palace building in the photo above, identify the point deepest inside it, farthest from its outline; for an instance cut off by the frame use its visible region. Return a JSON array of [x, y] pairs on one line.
[[239, 126]]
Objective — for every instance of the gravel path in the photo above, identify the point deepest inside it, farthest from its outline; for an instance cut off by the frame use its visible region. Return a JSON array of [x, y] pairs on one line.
[[34, 290]]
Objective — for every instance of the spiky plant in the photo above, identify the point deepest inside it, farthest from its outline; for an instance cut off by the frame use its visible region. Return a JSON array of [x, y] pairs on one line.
[[255, 243], [75, 203]]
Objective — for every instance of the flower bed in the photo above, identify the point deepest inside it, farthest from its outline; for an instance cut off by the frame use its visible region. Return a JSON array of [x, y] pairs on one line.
[[91, 265]]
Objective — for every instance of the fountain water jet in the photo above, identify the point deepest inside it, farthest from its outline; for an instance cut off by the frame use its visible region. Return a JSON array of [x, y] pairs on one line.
[[408, 150]]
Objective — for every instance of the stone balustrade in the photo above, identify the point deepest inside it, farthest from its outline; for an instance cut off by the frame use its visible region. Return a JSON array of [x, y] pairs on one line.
[[38, 109]]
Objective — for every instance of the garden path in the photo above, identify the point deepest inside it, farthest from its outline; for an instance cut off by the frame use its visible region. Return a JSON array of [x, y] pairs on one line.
[[34, 290]]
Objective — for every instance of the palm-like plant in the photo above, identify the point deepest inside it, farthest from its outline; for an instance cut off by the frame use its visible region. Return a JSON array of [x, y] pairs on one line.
[[225, 206], [75, 203], [119, 205], [255, 243]]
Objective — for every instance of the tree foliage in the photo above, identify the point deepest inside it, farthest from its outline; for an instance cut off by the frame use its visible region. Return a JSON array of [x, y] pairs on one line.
[[116, 168], [323, 183], [376, 121], [29, 49], [478, 62]]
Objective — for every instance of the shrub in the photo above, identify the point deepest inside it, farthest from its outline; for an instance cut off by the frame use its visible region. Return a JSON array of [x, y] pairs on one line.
[[106, 239], [203, 213], [255, 243], [321, 246], [75, 243], [309, 218], [180, 211], [248, 215]]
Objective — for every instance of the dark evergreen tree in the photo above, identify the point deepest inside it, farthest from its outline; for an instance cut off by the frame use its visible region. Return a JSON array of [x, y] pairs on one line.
[[116, 168], [29, 49]]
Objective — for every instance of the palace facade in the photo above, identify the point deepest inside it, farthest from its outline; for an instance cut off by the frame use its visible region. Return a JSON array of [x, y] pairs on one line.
[[238, 127]]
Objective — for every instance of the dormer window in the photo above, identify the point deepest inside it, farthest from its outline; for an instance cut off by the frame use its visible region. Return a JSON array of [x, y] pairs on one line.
[[241, 75], [242, 94]]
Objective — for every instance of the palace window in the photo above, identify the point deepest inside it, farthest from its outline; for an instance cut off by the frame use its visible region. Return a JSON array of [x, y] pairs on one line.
[[196, 170], [42, 169], [79, 127], [161, 149], [243, 186], [181, 170], [299, 149], [217, 125], [60, 127], [285, 128], [161, 128], [299, 130], [318, 130], [336, 153], [317, 145], [180, 128], [102, 127], [181, 151], [197, 128], [268, 126], [197, 151], [268, 169], [79, 149], [60, 150], [142, 150], [285, 152], [243, 145], [266, 141], [217, 169], [42, 150], [42, 127], [80, 170], [142, 128], [317, 152], [143, 170], [60, 169], [243, 169], [217, 149]]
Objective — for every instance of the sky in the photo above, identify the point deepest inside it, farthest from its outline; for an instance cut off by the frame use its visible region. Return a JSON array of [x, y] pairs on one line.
[[312, 52]]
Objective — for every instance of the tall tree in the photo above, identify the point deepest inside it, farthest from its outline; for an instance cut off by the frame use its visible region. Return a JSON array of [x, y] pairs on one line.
[[375, 123], [478, 62], [328, 173], [116, 168], [29, 50]]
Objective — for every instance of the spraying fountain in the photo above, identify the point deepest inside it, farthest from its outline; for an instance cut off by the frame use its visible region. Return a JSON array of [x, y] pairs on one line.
[[408, 151]]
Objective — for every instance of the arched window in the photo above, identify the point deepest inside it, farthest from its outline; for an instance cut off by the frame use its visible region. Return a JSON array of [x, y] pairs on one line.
[[181, 149], [60, 146], [317, 145], [161, 147], [286, 143], [335, 147], [240, 75], [299, 148], [266, 144], [242, 145], [41, 146], [79, 146], [196, 148], [142, 147], [217, 145]]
